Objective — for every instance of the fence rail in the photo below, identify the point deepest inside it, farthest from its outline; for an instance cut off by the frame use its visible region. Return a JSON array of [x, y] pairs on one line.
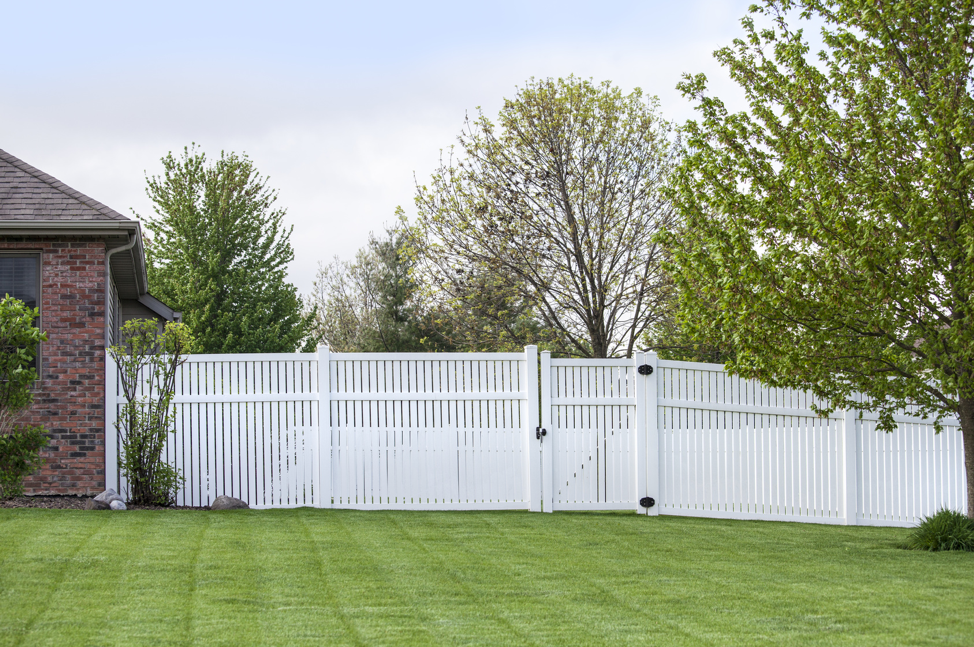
[[457, 431]]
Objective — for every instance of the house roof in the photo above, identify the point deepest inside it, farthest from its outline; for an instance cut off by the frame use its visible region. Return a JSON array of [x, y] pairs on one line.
[[35, 204], [27, 193]]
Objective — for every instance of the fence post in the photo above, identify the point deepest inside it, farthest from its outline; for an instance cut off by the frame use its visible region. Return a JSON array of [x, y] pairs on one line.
[[111, 416], [646, 454], [323, 449], [530, 444], [850, 471], [652, 454], [547, 446]]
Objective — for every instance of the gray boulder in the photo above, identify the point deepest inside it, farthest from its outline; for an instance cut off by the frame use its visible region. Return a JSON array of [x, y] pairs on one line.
[[104, 500], [117, 505], [224, 502]]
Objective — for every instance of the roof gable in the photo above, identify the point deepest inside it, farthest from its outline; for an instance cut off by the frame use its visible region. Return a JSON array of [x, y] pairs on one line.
[[27, 193]]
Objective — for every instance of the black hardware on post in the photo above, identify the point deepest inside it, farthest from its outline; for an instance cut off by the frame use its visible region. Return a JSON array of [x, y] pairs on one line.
[[539, 432], [647, 502], [645, 369]]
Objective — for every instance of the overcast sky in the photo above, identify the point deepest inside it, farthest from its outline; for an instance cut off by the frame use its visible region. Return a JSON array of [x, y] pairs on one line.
[[340, 103]]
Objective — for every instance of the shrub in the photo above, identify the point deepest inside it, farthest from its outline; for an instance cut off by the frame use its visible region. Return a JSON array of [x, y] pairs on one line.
[[147, 363], [20, 445], [946, 530], [20, 454]]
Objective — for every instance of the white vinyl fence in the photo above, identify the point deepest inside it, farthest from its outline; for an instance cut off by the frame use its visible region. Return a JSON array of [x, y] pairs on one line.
[[464, 431], [406, 431], [734, 448]]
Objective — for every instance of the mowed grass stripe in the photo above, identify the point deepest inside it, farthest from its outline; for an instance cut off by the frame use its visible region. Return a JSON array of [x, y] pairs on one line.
[[472, 591], [559, 603], [299, 606], [311, 577], [43, 560], [367, 594]]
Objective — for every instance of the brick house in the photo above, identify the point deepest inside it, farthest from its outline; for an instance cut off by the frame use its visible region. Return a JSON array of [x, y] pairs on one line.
[[83, 265]]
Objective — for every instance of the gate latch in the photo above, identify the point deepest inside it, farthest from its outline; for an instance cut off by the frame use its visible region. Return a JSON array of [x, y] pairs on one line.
[[645, 369], [539, 432]]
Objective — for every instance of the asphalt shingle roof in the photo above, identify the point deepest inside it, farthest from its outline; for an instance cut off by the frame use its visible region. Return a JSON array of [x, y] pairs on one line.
[[27, 193]]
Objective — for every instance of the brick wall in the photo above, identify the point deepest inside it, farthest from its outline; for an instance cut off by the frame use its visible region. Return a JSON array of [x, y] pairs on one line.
[[69, 398]]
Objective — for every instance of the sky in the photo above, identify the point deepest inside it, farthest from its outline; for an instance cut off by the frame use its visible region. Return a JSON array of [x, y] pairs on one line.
[[343, 105]]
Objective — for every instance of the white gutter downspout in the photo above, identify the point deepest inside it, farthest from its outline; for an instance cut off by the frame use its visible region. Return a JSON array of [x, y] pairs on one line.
[[108, 282]]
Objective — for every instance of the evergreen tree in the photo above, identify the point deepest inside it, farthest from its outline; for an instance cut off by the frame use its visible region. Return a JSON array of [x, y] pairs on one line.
[[219, 252]]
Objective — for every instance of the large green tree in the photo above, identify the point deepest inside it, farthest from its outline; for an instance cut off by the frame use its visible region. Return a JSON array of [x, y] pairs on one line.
[[219, 252], [553, 209], [829, 233]]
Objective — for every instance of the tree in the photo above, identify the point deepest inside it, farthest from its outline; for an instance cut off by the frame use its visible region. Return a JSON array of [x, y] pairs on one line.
[[672, 340], [554, 209], [487, 312], [372, 304], [831, 225], [219, 253]]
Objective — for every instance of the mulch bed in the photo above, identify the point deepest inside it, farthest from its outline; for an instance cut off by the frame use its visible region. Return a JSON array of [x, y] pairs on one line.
[[76, 503]]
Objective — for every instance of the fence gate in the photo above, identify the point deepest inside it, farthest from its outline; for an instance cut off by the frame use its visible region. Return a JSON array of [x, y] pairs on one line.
[[588, 416]]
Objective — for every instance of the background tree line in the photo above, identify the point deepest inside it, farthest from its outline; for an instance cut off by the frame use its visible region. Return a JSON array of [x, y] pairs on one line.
[[538, 229]]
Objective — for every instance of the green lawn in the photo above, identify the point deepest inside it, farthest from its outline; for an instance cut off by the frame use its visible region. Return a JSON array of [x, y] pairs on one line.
[[316, 577]]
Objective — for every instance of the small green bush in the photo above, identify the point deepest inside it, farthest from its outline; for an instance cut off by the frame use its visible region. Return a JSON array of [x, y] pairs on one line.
[[19, 456], [20, 445], [946, 530], [147, 363], [18, 345]]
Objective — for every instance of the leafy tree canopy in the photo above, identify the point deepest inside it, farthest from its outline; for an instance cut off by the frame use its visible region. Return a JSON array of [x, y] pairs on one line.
[[219, 253], [828, 230]]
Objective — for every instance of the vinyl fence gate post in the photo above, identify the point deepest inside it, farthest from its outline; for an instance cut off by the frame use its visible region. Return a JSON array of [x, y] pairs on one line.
[[850, 465], [111, 417], [548, 441], [646, 455], [323, 449], [530, 444]]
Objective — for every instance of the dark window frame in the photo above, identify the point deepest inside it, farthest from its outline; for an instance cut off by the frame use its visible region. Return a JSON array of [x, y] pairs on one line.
[[38, 257]]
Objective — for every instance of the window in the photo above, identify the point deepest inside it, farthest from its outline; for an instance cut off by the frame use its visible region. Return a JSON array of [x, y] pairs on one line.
[[20, 277]]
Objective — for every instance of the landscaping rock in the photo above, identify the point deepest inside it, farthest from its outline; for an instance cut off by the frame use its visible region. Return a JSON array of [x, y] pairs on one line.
[[117, 505], [109, 495], [104, 500], [224, 502], [97, 505]]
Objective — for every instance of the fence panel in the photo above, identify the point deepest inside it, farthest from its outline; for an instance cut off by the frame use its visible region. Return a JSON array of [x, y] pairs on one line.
[[910, 473], [734, 448], [429, 431], [244, 426]]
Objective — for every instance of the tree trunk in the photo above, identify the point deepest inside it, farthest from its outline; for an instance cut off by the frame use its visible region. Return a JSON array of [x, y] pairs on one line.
[[966, 414]]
